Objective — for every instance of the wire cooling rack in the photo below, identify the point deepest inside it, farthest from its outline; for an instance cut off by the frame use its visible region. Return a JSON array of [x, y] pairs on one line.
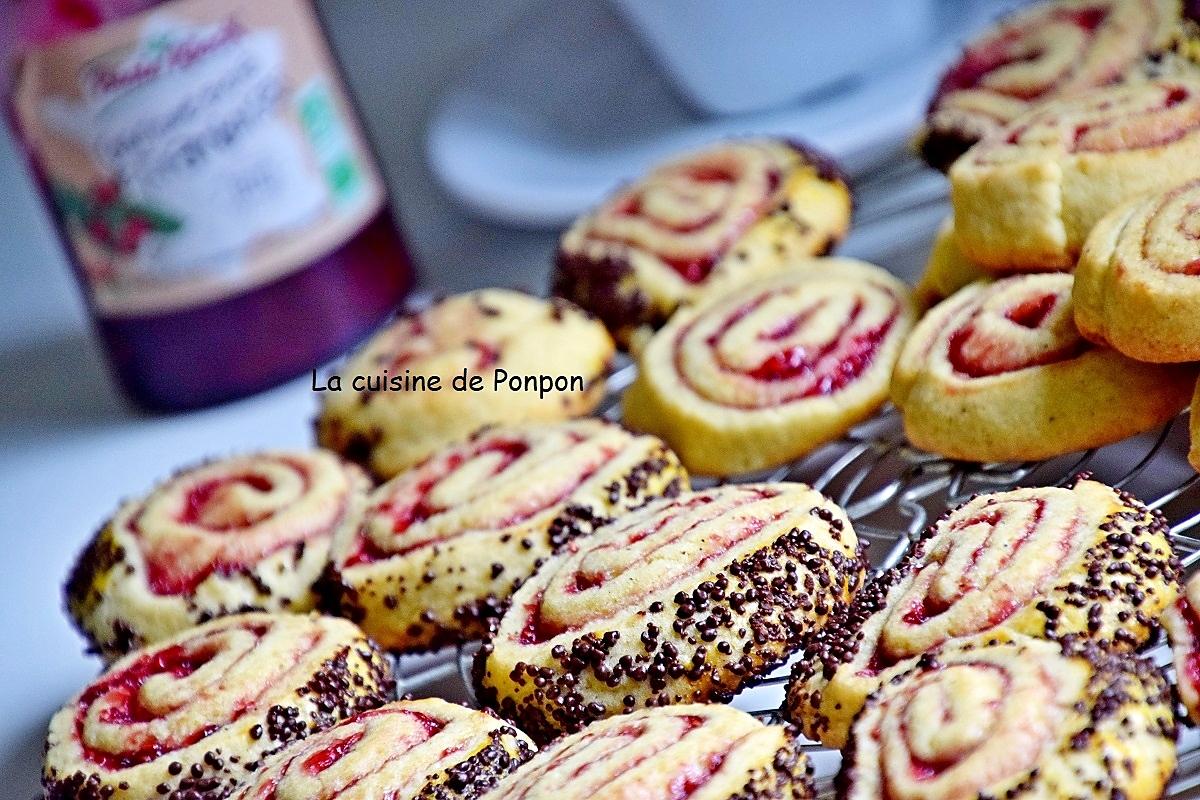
[[892, 491]]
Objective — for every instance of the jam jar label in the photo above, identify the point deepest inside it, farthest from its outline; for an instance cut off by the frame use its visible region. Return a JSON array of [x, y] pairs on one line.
[[196, 150]]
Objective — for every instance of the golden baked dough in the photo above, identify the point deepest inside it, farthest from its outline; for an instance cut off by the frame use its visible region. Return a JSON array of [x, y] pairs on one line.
[[704, 752], [1183, 626], [248, 533], [1084, 562], [761, 375], [998, 372], [443, 545], [410, 750], [1194, 429], [1048, 50], [1137, 285], [947, 269], [1019, 720], [1030, 193], [737, 210], [681, 601], [196, 714], [494, 335]]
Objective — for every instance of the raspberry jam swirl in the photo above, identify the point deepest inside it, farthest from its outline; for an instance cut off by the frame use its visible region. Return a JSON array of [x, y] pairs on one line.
[[600, 579], [224, 518], [1183, 626], [682, 600], [442, 545], [404, 750], [241, 687], [1162, 232], [968, 725], [676, 752], [986, 560], [684, 216], [509, 479], [1013, 720], [790, 339], [1077, 563], [1139, 116], [1051, 49], [1013, 324]]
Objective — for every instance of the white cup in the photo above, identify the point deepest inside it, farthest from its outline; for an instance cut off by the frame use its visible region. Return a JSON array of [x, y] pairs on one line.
[[738, 56]]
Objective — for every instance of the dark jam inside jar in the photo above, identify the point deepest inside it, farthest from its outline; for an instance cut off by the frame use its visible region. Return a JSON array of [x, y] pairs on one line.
[[248, 343], [212, 186]]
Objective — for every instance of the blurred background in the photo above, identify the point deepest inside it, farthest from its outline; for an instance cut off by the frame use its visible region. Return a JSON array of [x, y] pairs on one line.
[[496, 123]]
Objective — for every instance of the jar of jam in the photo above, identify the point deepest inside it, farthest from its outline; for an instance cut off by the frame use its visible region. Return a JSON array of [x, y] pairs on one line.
[[212, 185]]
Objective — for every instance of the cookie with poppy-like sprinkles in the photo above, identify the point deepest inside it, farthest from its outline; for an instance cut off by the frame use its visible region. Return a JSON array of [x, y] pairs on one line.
[[1085, 562], [246, 533], [684, 600], [443, 545], [192, 717]]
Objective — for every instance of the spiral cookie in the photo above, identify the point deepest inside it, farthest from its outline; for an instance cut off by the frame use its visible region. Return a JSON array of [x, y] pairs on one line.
[[1136, 285], [245, 533], [999, 372], [706, 752], [1014, 720], [1061, 563], [682, 601], [1027, 196], [193, 716], [947, 269], [761, 375], [410, 750], [1183, 626], [444, 544], [1049, 50], [534, 361], [737, 210]]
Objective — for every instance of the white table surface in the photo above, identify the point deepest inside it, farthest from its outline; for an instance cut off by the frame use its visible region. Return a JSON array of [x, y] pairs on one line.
[[69, 446]]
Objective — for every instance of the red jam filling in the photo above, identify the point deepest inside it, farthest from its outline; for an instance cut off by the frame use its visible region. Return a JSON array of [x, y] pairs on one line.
[[405, 516], [922, 770], [1159, 135], [487, 357], [975, 357], [321, 760], [926, 608], [1010, 48], [694, 776], [696, 268], [1032, 312], [693, 270], [201, 496], [794, 362], [1191, 663], [121, 691], [537, 629], [326, 757], [853, 356], [164, 575]]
